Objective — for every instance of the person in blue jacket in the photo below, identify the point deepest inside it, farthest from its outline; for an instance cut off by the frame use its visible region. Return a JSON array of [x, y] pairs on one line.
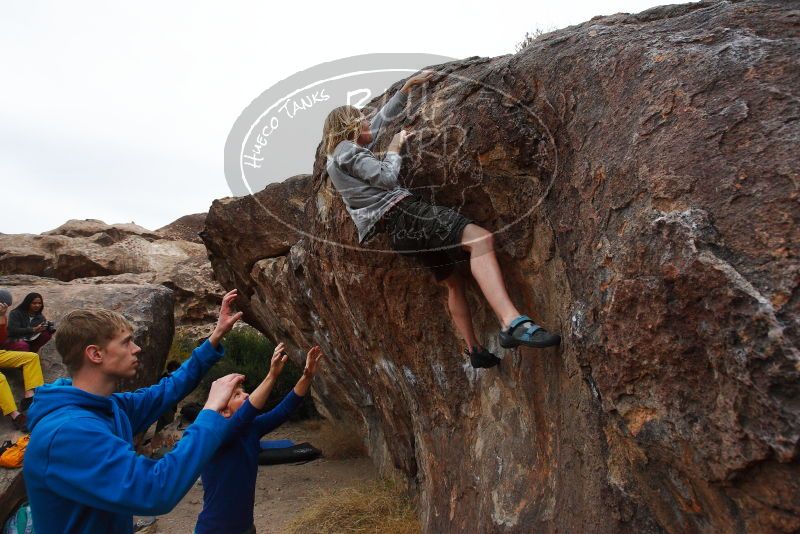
[[81, 471], [229, 479]]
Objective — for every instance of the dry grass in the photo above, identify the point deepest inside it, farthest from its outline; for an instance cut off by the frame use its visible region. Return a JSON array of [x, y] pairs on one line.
[[374, 508], [339, 440]]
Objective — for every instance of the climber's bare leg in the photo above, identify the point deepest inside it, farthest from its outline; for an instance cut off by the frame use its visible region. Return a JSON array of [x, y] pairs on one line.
[[459, 308], [483, 263]]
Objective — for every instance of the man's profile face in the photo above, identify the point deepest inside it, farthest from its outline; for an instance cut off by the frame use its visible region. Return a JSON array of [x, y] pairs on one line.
[[120, 355]]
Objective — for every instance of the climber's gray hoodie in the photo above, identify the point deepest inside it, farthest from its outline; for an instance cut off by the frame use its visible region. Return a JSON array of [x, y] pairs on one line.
[[367, 184]]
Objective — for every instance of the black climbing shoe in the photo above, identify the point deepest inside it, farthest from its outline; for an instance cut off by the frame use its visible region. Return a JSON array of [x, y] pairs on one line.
[[481, 358], [531, 335]]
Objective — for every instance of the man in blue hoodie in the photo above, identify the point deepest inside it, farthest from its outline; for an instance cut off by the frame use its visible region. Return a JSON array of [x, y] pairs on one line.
[[81, 471]]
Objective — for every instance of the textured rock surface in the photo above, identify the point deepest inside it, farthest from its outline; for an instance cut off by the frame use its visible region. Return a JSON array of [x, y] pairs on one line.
[[115, 253], [185, 228], [640, 172], [90, 227]]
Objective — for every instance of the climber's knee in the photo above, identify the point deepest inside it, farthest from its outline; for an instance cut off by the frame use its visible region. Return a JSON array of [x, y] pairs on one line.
[[477, 238]]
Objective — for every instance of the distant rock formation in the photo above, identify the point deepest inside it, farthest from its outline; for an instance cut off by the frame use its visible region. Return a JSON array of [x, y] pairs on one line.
[[186, 228], [640, 172], [92, 227], [95, 252]]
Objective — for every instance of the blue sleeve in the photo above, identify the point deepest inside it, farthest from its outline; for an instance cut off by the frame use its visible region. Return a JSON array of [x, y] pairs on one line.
[[391, 110], [99, 469], [145, 405], [278, 415]]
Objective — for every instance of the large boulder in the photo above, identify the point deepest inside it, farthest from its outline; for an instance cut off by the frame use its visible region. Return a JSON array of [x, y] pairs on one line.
[[640, 175], [103, 253]]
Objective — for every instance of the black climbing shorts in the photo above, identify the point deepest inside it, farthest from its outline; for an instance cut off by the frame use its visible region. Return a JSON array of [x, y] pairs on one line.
[[430, 234]]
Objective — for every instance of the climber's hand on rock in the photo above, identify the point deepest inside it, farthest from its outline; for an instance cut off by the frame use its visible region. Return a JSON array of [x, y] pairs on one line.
[[399, 140], [227, 318], [418, 79]]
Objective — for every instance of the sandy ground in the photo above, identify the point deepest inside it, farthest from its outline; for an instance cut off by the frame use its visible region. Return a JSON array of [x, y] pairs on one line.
[[282, 491]]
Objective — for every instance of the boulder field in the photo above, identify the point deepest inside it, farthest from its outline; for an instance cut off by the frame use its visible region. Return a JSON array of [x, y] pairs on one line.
[[91, 251]]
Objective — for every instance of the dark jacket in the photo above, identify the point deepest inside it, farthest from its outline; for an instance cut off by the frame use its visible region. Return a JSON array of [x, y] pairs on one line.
[[20, 324]]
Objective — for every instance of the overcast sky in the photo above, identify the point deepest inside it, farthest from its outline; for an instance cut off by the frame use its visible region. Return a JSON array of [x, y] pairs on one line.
[[120, 111]]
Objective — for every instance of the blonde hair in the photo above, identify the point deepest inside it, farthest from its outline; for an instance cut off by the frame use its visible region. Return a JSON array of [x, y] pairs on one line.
[[81, 328], [341, 124]]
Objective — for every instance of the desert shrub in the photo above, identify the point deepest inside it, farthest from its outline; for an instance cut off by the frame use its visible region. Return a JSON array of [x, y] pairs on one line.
[[530, 37], [248, 352], [182, 346], [372, 508]]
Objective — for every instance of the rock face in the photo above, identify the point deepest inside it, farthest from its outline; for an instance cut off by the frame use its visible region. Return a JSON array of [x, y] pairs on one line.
[[640, 175], [185, 228], [128, 253]]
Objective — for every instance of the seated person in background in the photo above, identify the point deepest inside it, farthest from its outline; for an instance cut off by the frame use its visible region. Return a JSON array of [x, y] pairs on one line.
[[229, 479], [28, 329], [31, 371], [81, 471]]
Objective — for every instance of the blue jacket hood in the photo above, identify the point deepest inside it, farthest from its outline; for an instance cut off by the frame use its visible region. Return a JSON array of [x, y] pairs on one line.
[[60, 395]]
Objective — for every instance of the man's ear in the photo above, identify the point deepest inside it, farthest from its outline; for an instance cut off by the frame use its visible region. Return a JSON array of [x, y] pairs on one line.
[[93, 353]]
